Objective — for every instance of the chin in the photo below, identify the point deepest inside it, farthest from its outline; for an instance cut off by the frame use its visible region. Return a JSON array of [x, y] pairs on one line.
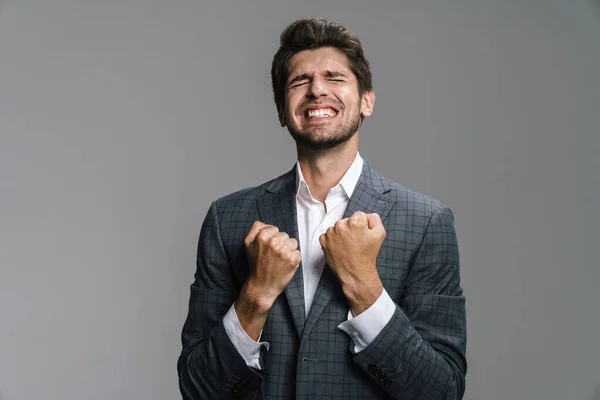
[[320, 142]]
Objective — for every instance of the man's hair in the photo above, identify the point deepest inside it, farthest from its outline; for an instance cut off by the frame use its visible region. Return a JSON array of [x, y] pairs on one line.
[[310, 34]]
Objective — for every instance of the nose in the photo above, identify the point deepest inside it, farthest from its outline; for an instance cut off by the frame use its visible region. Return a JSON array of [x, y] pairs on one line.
[[317, 88]]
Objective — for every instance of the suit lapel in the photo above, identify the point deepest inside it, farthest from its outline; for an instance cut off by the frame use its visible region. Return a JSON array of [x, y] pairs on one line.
[[368, 196], [278, 207]]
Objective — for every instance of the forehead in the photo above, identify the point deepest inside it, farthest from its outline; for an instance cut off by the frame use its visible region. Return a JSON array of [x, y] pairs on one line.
[[318, 61]]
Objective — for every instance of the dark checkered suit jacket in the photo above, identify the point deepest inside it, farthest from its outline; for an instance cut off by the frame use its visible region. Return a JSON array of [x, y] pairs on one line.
[[420, 354]]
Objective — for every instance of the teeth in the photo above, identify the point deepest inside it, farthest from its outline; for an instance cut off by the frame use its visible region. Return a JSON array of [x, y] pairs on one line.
[[323, 112]]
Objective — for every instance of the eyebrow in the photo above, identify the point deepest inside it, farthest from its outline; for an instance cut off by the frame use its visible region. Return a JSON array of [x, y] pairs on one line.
[[328, 74]]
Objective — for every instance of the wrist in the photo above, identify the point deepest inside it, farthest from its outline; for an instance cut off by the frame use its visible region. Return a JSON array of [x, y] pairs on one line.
[[252, 310], [361, 294], [254, 299]]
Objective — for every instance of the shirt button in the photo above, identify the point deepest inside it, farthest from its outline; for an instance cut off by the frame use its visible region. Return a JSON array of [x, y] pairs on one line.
[[316, 271], [355, 334]]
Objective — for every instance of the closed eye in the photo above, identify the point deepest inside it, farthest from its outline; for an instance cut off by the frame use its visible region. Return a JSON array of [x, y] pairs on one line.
[[299, 84]]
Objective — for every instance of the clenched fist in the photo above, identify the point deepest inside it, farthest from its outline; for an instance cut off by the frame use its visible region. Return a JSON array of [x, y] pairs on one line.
[[351, 247], [274, 258]]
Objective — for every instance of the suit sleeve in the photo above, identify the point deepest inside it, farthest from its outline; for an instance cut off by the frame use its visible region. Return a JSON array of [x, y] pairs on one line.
[[420, 353], [209, 366]]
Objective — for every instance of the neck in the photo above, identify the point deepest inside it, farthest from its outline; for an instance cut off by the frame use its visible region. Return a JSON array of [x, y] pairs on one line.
[[323, 169]]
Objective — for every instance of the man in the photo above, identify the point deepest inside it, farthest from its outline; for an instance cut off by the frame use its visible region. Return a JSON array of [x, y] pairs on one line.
[[330, 281]]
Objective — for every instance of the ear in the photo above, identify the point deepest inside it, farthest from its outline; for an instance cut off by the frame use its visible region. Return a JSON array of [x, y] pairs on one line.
[[367, 103], [281, 116]]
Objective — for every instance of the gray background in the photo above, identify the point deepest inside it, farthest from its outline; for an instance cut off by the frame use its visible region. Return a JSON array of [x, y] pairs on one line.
[[121, 121]]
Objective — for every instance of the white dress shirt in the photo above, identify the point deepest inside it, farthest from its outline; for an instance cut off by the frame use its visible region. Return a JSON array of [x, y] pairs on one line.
[[314, 218]]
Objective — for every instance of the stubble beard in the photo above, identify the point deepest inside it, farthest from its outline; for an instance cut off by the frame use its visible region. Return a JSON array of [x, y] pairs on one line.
[[340, 134]]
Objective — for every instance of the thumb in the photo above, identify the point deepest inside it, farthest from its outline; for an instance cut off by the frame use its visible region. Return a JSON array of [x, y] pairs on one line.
[[359, 218], [374, 220], [257, 226]]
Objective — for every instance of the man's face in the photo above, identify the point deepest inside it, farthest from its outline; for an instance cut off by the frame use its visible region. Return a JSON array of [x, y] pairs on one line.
[[322, 104]]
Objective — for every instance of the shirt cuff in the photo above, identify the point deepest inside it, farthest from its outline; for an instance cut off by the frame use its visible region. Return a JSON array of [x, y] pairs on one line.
[[248, 348], [364, 328]]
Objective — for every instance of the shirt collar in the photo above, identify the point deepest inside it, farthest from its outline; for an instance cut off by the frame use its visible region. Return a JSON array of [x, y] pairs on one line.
[[347, 183]]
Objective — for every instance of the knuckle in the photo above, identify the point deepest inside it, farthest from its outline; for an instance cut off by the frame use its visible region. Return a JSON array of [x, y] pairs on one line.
[[261, 237], [297, 257], [282, 252], [274, 241]]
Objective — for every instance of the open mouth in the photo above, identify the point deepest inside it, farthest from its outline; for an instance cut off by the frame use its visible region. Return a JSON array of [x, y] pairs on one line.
[[320, 113]]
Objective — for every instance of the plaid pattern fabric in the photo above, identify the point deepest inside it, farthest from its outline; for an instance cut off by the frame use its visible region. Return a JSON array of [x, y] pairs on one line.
[[420, 354]]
